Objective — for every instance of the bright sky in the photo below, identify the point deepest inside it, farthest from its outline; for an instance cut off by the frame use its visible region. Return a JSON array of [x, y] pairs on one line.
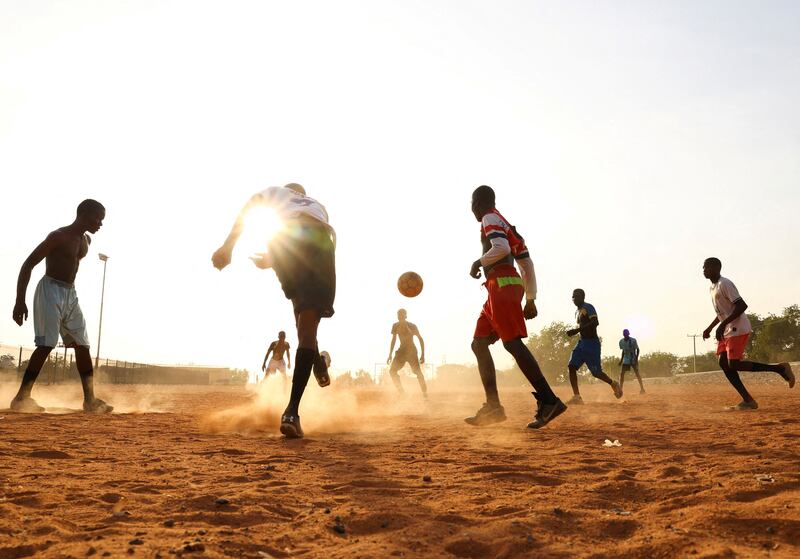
[[627, 141]]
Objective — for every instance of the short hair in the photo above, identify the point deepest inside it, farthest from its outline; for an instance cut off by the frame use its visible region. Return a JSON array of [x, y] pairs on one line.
[[405, 312], [296, 187], [579, 290], [484, 194], [90, 205], [626, 332], [281, 334], [714, 261]]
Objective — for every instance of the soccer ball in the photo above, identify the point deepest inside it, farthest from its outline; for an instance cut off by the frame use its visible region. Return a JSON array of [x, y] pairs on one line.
[[410, 284]]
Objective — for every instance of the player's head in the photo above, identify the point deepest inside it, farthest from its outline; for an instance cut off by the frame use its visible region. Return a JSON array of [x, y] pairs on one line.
[[626, 333], [482, 201], [578, 296], [91, 214], [711, 268], [281, 335], [402, 314], [296, 187]]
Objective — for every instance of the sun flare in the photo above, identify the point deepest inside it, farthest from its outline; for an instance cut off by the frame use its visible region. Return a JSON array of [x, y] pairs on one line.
[[260, 225]]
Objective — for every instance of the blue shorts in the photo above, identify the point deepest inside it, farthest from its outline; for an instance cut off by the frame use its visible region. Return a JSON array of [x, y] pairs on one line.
[[588, 352]]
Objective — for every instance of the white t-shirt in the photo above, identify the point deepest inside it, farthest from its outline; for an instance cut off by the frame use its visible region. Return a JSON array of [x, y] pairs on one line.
[[289, 204], [724, 296]]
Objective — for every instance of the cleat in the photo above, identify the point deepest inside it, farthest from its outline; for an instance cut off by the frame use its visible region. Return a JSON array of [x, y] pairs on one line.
[[290, 426], [545, 413], [576, 400], [487, 415], [743, 406], [617, 389], [321, 364], [26, 405], [788, 374], [97, 406]]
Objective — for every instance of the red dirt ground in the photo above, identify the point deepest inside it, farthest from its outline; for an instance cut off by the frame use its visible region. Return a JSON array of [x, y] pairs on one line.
[[684, 483]]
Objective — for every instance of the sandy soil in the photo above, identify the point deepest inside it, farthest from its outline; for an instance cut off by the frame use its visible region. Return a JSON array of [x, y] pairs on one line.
[[173, 476]]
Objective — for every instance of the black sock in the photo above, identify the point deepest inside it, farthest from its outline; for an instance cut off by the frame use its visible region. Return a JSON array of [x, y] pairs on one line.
[[488, 379], [733, 378], [87, 382], [303, 362], [759, 367], [28, 379], [530, 368]]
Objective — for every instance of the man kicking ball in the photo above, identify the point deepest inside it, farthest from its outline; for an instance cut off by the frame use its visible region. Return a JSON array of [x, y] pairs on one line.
[[55, 305], [587, 350], [502, 316], [629, 358], [407, 352], [732, 333], [302, 255], [278, 349]]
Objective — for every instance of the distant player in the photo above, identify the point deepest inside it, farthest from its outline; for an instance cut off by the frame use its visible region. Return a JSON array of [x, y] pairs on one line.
[[587, 350], [55, 305], [407, 352], [733, 331], [629, 359], [502, 316], [302, 255], [278, 349]]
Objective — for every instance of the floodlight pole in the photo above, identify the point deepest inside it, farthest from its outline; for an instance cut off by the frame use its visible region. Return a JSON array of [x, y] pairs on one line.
[[694, 349], [104, 259]]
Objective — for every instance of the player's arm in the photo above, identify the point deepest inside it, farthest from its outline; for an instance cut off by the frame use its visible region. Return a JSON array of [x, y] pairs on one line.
[[499, 248], [636, 353], [707, 331], [528, 273], [421, 345], [222, 256], [592, 323], [54, 239], [288, 355], [739, 307], [391, 347]]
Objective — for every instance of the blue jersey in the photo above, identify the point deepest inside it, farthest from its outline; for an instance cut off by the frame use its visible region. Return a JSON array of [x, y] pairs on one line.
[[629, 348], [583, 315]]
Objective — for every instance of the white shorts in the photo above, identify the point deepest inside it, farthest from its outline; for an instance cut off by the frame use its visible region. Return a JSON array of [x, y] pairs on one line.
[[56, 311], [276, 365]]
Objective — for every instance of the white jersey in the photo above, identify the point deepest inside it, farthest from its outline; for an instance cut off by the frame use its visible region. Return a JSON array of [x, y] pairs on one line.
[[290, 204], [724, 297]]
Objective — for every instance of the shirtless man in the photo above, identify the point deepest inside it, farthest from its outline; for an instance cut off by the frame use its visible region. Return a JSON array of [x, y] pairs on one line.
[[278, 348], [407, 352], [55, 305]]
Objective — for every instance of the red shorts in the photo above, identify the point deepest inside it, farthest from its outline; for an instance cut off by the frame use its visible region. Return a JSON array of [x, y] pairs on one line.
[[733, 346], [502, 315]]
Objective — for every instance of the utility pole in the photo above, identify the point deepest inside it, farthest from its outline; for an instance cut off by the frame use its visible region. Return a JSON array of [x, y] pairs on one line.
[[104, 259], [694, 348]]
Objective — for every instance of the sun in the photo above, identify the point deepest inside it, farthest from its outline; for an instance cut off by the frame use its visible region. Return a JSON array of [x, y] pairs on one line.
[[261, 224]]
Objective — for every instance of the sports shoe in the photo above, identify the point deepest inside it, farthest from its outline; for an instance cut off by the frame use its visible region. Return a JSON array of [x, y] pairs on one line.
[[25, 405], [545, 413], [742, 406], [617, 389], [576, 400], [290, 426], [488, 414], [97, 406], [321, 369], [787, 374]]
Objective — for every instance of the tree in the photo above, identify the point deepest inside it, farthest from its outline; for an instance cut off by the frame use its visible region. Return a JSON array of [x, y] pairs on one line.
[[552, 349]]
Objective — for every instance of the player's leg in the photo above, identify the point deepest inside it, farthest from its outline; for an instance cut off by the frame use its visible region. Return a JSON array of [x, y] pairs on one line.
[[394, 370], [83, 360], [638, 377], [530, 368], [783, 369], [576, 360], [415, 366], [594, 363], [307, 325], [491, 411], [23, 401], [622, 372], [748, 402]]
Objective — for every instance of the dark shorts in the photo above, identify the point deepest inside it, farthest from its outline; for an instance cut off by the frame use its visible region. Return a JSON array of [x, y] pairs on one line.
[[304, 260], [626, 368], [587, 351], [403, 356]]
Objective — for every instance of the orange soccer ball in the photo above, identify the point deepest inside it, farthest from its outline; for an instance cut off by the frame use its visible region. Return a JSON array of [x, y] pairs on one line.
[[410, 284]]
